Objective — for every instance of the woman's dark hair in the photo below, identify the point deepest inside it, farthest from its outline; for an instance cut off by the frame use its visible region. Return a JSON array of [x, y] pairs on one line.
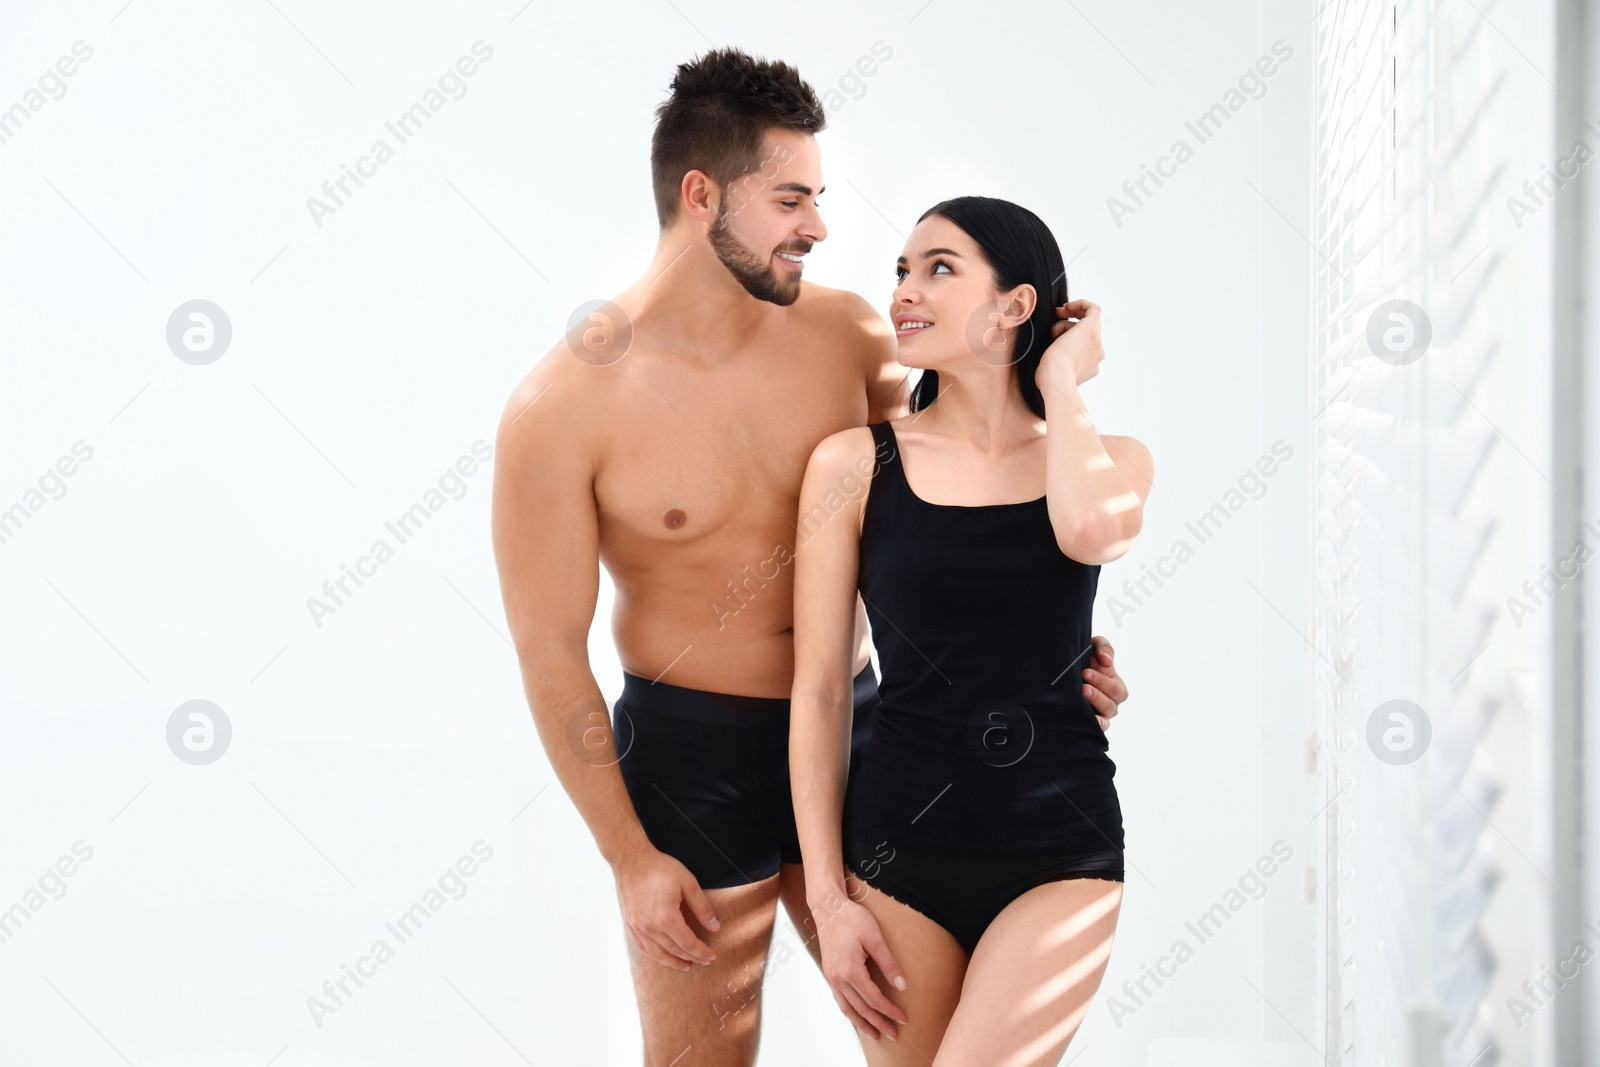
[[1020, 249]]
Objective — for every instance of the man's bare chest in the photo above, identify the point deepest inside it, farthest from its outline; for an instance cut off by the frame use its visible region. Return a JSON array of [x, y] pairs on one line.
[[694, 454]]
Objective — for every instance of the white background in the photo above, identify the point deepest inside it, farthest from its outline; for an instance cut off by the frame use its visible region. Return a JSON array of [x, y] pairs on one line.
[[370, 353]]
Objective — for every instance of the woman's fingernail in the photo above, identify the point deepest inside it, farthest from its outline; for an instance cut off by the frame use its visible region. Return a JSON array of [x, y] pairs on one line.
[[900, 982]]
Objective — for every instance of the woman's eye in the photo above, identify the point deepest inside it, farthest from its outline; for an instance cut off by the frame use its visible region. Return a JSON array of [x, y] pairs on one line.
[[900, 272], [791, 203]]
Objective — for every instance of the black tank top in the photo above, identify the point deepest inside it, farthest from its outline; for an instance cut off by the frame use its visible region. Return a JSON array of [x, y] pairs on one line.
[[983, 740]]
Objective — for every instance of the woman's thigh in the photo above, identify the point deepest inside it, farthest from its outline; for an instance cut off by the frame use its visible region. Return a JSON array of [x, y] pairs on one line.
[[1033, 976], [933, 963]]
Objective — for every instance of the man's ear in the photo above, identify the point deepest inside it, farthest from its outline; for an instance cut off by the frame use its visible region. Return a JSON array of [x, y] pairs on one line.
[[700, 196], [1016, 306]]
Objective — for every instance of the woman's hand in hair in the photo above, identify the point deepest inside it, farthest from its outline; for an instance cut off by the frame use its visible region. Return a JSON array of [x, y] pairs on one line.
[[1076, 351]]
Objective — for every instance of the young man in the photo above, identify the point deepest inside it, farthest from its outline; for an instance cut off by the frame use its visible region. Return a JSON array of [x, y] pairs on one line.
[[667, 437]]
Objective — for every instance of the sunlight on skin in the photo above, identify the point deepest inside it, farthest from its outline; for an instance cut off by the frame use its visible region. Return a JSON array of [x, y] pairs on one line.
[[1116, 505], [1062, 983], [1045, 1015], [1113, 522], [1120, 504], [744, 923], [1040, 1048], [1080, 921], [741, 944], [1035, 1051]]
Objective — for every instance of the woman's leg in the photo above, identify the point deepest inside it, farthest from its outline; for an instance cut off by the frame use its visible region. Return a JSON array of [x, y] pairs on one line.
[[933, 962], [1033, 976]]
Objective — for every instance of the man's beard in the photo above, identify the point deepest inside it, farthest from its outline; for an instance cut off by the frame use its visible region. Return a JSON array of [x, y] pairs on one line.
[[760, 279]]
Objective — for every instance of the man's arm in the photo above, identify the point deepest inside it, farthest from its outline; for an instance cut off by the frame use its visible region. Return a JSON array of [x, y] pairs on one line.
[[1102, 685], [547, 548]]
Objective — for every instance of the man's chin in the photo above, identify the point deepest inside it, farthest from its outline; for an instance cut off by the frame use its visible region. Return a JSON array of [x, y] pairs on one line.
[[787, 296], [780, 290], [782, 295]]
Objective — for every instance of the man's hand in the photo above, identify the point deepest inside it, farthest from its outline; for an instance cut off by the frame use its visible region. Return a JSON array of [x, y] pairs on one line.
[[1102, 684], [652, 888]]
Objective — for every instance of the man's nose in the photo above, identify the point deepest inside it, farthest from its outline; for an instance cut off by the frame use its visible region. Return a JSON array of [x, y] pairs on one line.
[[814, 228]]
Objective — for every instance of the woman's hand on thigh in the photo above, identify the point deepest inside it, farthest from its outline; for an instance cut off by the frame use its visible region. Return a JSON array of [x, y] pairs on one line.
[[850, 936]]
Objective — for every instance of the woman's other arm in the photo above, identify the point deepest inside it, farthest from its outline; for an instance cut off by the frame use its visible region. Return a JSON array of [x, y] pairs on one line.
[[828, 541], [1096, 485]]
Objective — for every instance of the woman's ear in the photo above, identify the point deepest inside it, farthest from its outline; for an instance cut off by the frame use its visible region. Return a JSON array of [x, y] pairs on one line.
[[1016, 306]]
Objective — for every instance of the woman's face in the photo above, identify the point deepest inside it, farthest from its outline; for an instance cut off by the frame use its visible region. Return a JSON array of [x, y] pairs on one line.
[[945, 282]]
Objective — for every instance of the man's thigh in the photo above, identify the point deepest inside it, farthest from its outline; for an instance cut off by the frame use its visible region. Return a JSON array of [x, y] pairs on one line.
[[710, 1016], [792, 891]]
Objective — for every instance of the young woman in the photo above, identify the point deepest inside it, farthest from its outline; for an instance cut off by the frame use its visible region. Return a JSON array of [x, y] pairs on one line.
[[965, 874]]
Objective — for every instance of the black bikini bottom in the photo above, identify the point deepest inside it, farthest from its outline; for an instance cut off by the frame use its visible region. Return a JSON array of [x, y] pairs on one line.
[[964, 893]]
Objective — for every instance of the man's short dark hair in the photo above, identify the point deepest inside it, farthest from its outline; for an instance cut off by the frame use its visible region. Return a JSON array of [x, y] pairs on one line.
[[721, 106]]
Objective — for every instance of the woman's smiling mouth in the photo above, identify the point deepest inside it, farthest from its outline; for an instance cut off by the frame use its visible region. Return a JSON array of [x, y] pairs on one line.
[[906, 325]]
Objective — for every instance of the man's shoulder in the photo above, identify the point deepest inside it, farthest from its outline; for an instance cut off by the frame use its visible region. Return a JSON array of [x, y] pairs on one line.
[[861, 331], [849, 324], [560, 392], [844, 310]]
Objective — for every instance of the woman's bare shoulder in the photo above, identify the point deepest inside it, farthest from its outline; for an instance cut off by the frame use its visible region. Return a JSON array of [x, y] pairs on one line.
[[844, 449]]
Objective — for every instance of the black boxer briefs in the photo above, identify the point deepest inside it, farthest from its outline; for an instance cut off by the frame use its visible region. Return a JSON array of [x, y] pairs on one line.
[[708, 774]]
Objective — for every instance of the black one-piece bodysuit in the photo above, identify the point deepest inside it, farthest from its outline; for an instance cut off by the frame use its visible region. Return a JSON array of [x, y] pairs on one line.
[[986, 773]]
